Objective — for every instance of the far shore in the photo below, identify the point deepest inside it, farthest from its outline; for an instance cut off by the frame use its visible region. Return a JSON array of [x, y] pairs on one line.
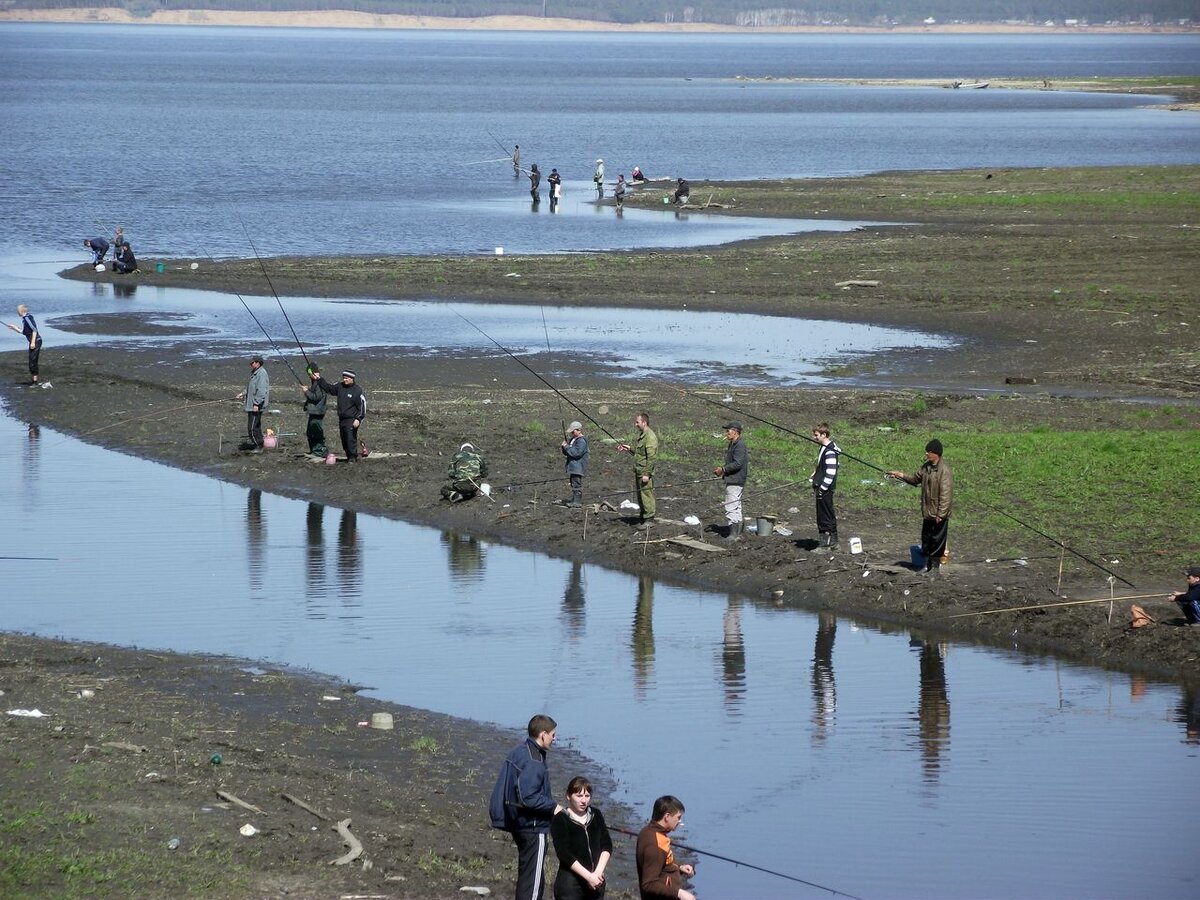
[[353, 19]]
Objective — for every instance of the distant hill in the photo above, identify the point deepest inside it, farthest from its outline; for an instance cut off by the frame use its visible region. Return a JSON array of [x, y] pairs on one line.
[[881, 13]]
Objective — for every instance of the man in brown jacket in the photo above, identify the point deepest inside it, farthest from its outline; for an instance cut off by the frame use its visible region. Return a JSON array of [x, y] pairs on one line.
[[937, 489], [658, 874]]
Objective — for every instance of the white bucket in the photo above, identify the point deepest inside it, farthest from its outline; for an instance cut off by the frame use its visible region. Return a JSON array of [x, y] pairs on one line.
[[382, 721], [855, 545], [499, 251]]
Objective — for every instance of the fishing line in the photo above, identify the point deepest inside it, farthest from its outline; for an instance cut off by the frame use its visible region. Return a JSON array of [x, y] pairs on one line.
[[161, 413], [546, 331], [269, 338], [532, 372], [286, 317], [738, 862], [872, 465]]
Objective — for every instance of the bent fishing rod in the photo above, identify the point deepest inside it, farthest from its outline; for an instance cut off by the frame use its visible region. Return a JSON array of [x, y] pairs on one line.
[[535, 374], [275, 293], [872, 465], [738, 862]]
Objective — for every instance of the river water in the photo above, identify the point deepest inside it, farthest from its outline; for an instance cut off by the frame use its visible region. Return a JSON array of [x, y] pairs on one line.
[[871, 760], [874, 761]]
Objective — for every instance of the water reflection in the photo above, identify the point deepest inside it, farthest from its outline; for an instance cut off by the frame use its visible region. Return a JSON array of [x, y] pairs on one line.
[[465, 555], [733, 655], [933, 707], [124, 289], [573, 611], [643, 636], [256, 539], [1188, 713], [824, 688], [314, 556], [350, 569]]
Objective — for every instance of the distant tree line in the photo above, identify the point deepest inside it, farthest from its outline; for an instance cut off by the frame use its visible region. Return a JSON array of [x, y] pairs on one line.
[[722, 12]]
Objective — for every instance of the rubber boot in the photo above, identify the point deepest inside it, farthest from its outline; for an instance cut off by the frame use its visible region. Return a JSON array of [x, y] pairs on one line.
[[832, 542], [735, 531], [576, 500]]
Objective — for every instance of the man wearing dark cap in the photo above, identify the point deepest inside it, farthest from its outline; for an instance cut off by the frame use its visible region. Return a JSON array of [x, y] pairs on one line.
[[575, 449], [351, 410], [937, 488], [314, 405], [257, 395], [733, 473], [1189, 600]]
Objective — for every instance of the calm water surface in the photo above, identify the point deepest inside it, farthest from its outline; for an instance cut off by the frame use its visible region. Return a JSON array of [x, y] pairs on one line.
[[876, 762]]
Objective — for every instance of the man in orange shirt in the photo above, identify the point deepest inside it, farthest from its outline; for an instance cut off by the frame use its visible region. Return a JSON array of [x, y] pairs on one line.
[[658, 873]]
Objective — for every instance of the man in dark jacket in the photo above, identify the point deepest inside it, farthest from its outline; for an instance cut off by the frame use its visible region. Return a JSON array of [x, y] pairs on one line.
[[351, 410], [575, 449], [683, 191], [824, 480], [314, 404], [99, 248], [733, 473], [125, 263], [523, 804], [1189, 600], [659, 876], [937, 487]]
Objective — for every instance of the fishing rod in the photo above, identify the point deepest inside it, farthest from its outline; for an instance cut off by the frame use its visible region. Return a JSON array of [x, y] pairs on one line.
[[498, 144], [872, 465], [988, 612], [262, 266], [738, 862], [546, 331], [532, 372], [160, 413], [269, 338]]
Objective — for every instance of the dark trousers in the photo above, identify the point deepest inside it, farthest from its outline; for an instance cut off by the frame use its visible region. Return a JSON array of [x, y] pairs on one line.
[[35, 353], [316, 435], [569, 886], [933, 541], [826, 518], [576, 487], [531, 864], [349, 437], [254, 428]]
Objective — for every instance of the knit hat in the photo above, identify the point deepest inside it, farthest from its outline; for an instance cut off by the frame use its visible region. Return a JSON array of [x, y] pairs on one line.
[[1192, 571], [466, 447], [576, 426], [349, 374], [934, 446]]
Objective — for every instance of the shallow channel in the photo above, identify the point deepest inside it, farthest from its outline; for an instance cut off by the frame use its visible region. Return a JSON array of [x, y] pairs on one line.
[[871, 760]]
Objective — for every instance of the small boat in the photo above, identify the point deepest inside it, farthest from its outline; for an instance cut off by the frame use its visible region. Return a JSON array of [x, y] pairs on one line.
[[974, 85]]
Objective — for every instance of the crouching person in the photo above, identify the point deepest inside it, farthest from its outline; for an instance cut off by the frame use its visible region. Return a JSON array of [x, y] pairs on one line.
[[465, 475]]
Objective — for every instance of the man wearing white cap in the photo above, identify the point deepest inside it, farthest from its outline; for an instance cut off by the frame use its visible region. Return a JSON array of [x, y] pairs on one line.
[[598, 177], [575, 449], [351, 410]]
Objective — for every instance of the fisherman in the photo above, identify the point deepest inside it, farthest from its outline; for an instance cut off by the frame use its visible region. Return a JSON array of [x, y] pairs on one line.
[[619, 191], [351, 410], [636, 175], [1189, 600], [99, 248], [523, 804], [598, 178], [535, 184], [575, 449], [465, 476], [118, 240], [124, 262], [29, 331], [257, 395], [658, 874], [937, 488], [554, 180], [733, 473], [645, 451], [824, 479], [315, 400], [683, 191], [516, 159]]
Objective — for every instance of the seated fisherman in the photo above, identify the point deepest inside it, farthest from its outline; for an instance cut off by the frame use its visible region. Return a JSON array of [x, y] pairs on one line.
[[125, 262], [465, 475]]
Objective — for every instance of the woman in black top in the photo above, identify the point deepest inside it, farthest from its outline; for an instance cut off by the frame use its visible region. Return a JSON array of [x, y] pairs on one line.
[[582, 844]]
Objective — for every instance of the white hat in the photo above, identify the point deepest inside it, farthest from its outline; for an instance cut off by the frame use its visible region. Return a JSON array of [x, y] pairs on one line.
[[599, 160]]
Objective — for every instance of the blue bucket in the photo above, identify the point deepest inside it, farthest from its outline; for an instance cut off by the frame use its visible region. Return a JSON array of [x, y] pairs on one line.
[[918, 558]]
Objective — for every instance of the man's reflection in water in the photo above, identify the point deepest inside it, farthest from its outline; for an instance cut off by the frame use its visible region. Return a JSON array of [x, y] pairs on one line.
[[29, 469], [256, 538], [824, 688], [643, 635], [933, 707], [1187, 713], [314, 557], [465, 555], [350, 574], [124, 289], [733, 655], [573, 603]]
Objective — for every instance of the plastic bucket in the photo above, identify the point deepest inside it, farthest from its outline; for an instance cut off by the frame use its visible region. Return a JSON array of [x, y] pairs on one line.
[[330, 459], [160, 267], [918, 558], [765, 526], [856, 545], [270, 442], [382, 721]]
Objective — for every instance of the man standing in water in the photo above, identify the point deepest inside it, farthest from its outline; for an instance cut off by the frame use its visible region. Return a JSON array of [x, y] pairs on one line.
[[535, 184], [658, 874], [257, 395], [351, 410], [645, 451], [824, 479], [516, 158], [733, 473], [937, 488], [523, 804], [30, 332], [598, 178]]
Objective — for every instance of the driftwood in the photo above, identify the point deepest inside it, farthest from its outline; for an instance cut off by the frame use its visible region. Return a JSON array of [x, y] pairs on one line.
[[122, 745], [356, 848], [685, 541], [239, 802], [304, 806], [857, 282]]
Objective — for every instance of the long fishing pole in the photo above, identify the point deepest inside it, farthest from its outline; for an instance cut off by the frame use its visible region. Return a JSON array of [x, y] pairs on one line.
[[546, 331], [161, 413], [269, 338], [271, 285], [532, 372], [872, 465], [738, 862]]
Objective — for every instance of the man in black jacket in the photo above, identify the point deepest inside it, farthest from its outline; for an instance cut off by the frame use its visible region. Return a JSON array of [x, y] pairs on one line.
[[733, 473], [351, 410], [314, 405]]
